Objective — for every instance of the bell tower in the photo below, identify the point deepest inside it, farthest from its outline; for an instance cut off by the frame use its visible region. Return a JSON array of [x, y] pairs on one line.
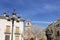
[[29, 32], [28, 25]]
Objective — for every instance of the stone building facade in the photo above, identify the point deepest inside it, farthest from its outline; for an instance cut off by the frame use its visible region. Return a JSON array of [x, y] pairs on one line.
[[54, 30], [29, 33], [41, 35]]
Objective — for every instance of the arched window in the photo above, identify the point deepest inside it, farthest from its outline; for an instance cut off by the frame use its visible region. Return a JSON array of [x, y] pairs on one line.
[[28, 23], [32, 39]]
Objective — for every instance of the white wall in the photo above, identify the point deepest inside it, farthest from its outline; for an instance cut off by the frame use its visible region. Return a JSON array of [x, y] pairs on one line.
[[3, 24]]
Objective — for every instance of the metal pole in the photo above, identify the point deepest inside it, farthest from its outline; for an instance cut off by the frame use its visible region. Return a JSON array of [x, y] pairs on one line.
[[12, 28]]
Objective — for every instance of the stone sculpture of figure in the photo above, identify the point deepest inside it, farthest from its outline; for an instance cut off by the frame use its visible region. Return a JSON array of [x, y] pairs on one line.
[[48, 34]]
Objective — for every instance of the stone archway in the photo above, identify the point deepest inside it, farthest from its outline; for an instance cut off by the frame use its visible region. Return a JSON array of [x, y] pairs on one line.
[[32, 39]]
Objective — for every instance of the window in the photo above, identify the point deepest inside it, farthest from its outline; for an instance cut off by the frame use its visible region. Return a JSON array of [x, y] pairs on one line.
[[17, 29], [51, 31], [58, 25], [17, 38], [58, 33], [8, 29], [47, 31], [32, 39], [7, 37], [28, 23]]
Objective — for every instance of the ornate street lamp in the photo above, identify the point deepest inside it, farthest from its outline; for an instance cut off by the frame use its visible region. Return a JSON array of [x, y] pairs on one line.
[[13, 18], [5, 14]]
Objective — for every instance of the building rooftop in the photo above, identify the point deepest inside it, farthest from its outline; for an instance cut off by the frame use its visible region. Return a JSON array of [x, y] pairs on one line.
[[3, 17]]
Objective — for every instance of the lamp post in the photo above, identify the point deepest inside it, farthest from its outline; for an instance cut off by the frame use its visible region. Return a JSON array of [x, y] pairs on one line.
[[13, 18]]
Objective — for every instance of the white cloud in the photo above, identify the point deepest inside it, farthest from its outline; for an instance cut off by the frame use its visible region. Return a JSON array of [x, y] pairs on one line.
[[44, 22], [51, 7]]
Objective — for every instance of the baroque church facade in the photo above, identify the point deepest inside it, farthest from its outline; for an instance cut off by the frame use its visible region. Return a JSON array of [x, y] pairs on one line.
[[53, 30], [29, 33]]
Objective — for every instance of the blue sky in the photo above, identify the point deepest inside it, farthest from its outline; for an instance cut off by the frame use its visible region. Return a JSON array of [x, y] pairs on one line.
[[40, 12]]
